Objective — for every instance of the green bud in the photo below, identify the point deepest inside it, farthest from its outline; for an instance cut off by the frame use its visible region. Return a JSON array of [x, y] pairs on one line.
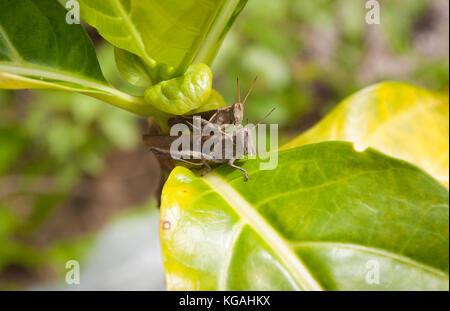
[[183, 94]]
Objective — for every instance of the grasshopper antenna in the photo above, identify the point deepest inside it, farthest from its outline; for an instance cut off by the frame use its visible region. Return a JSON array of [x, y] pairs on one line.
[[267, 115], [250, 91]]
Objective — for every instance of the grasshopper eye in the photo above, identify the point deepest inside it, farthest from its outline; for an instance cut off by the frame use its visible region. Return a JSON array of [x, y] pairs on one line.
[[183, 94]]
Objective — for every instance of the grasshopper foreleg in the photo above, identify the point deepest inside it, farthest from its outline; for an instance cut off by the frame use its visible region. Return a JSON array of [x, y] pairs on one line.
[[231, 163]]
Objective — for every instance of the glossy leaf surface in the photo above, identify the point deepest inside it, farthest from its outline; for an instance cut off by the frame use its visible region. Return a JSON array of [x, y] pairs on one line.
[[38, 49], [159, 32], [328, 218], [183, 94], [132, 69], [398, 119]]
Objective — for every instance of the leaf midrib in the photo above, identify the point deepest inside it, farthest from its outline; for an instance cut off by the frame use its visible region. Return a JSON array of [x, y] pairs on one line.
[[28, 69], [281, 247], [15, 54], [88, 87], [401, 258], [223, 277], [134, 32]]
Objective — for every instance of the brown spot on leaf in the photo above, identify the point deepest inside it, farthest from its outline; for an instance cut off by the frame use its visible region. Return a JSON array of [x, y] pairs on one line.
[[166, 225]]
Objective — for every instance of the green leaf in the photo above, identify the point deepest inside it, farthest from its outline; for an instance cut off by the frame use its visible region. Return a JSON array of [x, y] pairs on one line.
[[28, 24], [324, 219], [132, 69], [166, 35], [401, 120], [38, 49]]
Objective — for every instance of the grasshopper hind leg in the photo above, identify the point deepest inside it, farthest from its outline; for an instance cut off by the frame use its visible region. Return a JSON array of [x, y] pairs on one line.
[[231, 163]]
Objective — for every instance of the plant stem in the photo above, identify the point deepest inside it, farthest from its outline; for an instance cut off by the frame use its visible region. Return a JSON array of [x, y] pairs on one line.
[[216, 34]]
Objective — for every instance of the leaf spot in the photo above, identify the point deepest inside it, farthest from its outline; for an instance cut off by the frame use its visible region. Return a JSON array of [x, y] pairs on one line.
[[166, 225]]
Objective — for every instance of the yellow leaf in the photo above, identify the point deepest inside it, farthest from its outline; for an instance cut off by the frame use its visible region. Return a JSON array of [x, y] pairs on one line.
[[398, 119]]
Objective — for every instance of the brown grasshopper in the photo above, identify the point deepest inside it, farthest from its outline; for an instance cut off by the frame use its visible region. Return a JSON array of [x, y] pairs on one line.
[[217, 121]]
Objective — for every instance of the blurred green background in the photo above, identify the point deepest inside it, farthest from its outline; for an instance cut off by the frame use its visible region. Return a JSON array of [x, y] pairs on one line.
[[71, 167]]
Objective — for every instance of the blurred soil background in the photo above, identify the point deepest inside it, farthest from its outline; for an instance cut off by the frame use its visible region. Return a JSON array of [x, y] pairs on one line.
[[76, 183]]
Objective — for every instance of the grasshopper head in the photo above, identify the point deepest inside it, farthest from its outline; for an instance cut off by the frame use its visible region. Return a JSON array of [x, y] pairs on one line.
[[238, 113]]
